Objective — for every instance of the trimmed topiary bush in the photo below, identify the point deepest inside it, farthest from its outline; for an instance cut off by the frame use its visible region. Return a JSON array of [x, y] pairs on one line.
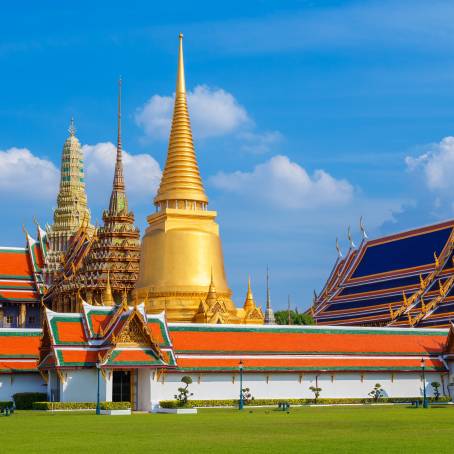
[[24, 401]]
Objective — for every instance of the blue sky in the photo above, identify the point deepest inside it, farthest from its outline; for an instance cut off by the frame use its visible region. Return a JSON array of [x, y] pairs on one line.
[[306, 115]]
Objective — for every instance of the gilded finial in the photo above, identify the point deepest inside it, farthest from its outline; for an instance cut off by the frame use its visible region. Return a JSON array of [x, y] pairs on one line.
[[339, 252], [362, 228], [350, 239], [107, 298], [249, 303], [181, 84], [72, 128], [211, 295]]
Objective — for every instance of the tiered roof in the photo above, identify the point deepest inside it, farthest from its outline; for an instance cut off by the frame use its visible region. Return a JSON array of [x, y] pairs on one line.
[[305, 348], [406, 279], [118, 337], [126, 337], [21, 272]]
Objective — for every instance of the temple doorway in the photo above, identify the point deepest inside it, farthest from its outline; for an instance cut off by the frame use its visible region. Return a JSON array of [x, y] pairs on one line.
[[121, 386]]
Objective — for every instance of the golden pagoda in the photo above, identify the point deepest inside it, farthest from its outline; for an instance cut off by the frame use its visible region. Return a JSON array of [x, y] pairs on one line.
[[103, 268], [182, 265], [72, 209], [112, 265]]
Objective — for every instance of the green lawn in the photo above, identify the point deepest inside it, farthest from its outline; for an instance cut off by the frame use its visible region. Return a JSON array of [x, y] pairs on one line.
[[392, 429]]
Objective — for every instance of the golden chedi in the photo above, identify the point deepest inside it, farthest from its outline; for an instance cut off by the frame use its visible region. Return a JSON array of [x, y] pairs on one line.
[[181, 250]]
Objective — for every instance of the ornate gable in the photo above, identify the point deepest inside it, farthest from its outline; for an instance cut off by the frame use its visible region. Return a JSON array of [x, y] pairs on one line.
[[135, 333], [255, 314]]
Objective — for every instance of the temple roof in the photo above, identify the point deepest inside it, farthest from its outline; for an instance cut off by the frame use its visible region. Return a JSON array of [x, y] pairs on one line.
[[401, 279], [305, 348], [130, 338], [108, 336], [21, 272]]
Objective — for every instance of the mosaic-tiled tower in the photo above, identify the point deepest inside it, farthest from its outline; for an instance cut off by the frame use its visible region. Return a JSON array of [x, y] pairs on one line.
[[72, 209]]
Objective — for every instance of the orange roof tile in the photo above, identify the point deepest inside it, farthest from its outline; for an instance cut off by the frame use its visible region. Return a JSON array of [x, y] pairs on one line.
[[19, 343], [15, 263], [294, 340]]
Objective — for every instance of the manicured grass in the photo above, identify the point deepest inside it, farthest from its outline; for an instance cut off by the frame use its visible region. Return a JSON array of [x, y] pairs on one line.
[[390, 429]]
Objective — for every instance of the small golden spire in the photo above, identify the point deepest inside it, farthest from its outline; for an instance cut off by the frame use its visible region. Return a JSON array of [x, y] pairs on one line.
[[107, 298], [212, 296], [249, 303], [181, 178]]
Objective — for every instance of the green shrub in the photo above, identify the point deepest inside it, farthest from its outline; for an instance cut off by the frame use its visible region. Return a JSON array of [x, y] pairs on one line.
[[326, 401], [24, 401], [64, 405], [81, 405], [115, 405], [6, 403]]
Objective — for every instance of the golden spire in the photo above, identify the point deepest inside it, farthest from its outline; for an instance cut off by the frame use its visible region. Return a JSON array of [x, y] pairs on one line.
[[107, 298], [181, 180], [212, 296], [249, 302]]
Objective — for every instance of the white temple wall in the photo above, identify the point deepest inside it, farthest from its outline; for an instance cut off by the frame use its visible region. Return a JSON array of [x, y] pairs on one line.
[[20, 383], [293, 386], [81, 385]]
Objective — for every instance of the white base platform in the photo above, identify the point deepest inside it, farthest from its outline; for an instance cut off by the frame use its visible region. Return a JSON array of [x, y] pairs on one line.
[[116, 412], [178, 411]]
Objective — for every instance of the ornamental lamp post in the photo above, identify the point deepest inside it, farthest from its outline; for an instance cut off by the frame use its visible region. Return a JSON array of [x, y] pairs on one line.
[[425, 403], [98, 406], [241, 403]]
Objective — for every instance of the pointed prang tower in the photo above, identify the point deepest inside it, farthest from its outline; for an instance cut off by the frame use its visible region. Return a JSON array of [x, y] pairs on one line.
[[112, 264], [269, 314], [182, 244], [72, 210]]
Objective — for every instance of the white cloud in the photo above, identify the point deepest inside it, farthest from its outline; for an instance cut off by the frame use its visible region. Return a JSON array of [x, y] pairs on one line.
[[214, 112], [437, 165], [286, 184], [259, 143], [142, 172], [23, 175]]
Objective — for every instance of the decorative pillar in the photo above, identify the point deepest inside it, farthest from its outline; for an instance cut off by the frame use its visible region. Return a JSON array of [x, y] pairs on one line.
[[22, 315]]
